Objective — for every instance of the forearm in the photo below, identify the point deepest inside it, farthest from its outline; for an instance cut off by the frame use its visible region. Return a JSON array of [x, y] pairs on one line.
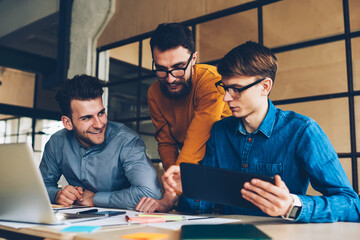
[[168, 154], [125, 198], [345, 208]]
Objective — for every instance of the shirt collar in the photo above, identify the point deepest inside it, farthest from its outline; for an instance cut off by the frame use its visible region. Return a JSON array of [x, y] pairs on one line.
[[267, 125]]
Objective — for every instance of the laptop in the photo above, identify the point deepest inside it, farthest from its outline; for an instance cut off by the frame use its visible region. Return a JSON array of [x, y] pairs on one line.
[[217, 185], [23, 196]]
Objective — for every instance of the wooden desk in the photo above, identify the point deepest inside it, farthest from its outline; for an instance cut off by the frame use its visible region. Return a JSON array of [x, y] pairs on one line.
[[276, 228]]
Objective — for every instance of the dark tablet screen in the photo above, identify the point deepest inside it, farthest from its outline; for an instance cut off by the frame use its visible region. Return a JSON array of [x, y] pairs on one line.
[[217, 185]]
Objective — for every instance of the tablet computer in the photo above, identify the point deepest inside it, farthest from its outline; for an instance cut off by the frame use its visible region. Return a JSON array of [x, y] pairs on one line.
[[217, 185]]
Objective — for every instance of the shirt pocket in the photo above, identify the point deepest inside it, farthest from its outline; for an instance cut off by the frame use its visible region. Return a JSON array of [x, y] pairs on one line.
[[269, 169]]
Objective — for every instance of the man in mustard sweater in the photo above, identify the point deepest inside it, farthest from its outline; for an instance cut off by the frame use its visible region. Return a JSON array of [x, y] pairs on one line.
[[184, 103]]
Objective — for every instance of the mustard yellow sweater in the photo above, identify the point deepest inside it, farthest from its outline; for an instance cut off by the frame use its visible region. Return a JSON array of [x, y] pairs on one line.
[[185, 124]]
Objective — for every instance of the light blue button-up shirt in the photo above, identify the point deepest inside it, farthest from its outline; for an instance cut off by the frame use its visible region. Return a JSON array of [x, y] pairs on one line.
[[117, 171], [293, 146]]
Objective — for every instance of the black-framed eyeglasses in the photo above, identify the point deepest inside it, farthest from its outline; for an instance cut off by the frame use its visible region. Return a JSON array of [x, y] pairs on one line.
[[176, 72], [234, 92]]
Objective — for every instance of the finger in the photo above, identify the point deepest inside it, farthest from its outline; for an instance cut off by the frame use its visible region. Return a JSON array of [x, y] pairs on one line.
[[65, 200], [168, 189], [72, 190], [153, 208], [255, 198], [279, 182], [148, 204], [256, 203], [264, 188], [80, 190], [172, 170], [140, 203]]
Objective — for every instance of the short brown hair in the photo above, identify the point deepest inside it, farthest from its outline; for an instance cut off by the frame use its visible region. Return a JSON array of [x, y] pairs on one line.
[[249, 59], [80, 87]]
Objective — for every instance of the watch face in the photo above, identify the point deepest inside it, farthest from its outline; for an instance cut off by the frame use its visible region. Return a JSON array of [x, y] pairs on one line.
[[295, 212]]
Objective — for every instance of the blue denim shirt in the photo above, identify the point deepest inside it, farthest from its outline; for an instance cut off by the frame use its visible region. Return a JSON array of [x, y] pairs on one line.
[[118, 170], [288, 144]]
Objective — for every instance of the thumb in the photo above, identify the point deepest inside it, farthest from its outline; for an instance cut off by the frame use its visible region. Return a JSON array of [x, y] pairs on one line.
[[279, 182]]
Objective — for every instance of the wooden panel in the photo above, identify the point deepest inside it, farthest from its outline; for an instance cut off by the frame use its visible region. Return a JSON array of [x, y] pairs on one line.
[[332, 116], [217, 37], [135, 17], [293, 21], [354, 6], [311, 71], [17, 87]]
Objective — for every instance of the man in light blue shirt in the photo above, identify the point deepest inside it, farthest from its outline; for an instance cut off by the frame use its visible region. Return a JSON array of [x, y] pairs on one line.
[[260, 138], [104, 162]]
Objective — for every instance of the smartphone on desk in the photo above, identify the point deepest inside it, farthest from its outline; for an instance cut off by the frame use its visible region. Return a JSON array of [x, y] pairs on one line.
[[110, 213]]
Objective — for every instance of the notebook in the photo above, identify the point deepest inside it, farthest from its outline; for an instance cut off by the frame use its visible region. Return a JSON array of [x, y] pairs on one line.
[[217, 185], [23, 196], [223, 231]]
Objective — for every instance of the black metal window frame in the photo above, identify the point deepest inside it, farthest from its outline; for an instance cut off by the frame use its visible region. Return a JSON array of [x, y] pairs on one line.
[[346, 36]]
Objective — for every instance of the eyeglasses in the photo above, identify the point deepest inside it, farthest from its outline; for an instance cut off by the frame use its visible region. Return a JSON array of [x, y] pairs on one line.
[[234, 92], [176, 72]]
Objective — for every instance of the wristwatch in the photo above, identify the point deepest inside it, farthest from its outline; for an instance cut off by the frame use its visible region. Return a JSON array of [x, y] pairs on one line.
[[294, 209]]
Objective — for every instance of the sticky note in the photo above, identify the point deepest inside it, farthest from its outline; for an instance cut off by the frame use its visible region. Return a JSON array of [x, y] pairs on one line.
[[146, 236], [88, 229]]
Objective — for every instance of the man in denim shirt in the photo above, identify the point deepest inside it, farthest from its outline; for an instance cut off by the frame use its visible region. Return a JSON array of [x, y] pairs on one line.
[[260, 138], [104, 162]]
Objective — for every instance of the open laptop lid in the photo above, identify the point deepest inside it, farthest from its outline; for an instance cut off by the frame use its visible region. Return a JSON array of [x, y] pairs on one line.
[[23, 196], [216, 185]]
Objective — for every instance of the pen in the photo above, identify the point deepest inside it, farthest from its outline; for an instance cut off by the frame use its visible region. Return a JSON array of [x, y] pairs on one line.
[[144, 219], [87, 211], [167, 217]]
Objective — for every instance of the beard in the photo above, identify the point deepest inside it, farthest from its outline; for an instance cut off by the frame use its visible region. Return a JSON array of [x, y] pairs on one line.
[[184, 91]]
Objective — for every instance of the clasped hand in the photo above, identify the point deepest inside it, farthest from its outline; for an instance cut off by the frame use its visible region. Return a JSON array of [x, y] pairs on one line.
[[70, 195]]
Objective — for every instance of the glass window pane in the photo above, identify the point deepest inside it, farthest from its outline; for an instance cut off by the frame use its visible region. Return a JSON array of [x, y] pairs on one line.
[[217, 37], [146, 56], [332, 116], [2, 131], [128, 53], [311, 71], [43, 130], [148, 77], [17, 87], [355, 47], [122, 101], [292, 21], [124, 63], [145, 84], [25, 126], [354, 6]]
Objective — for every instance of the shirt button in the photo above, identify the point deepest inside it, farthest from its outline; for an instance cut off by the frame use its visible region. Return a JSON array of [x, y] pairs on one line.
[[249, 139], [244, 165]]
